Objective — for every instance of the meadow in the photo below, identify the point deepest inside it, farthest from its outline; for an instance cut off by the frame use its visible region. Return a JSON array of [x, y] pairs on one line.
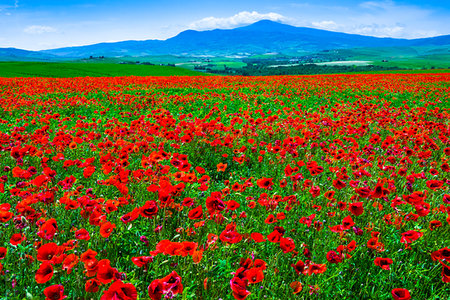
[[83, 69], [191, 187]]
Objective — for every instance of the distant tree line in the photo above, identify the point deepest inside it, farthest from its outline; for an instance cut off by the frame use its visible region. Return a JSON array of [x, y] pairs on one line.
[[307, 69]]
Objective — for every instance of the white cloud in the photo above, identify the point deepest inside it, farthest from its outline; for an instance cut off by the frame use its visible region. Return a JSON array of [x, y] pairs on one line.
[[9, 6], [380, 30], [388, 18], [38, 29], [242, 18], [325, 25], [377, 5]]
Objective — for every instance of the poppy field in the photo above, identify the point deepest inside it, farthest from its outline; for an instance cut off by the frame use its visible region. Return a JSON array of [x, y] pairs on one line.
[[283, 187]]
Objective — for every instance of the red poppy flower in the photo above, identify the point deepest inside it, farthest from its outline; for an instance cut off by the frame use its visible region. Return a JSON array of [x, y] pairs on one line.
[[329, 195], [105, 273], [221, 167], [174, 248], [214, 203], [410, 236], [287, 244], [265, 183], [317, 269], [188, 248], [230, 236], [374, 244], [155, 290], [434, 224], [315, 191], [82, 234], [296, 286], [401, 294], [246, 263], [196, 213], [445, 273], [257, 237], [48, 230], [69, 262], [5, 216], [233, 205], [172, 283], [445, 167], [3, 252], [314, 169], [434, 184], [356, 208], [363, 192], [92, 285], [47, 251], [270, 219], [259, 263], [333, 257], [44, 273], [54, 292], [197, 256], [17, 239], [384, 263], [150, 209], [347, 222], [443, 253], [106, 229], [141, 261], [299, 267], [307, 220], [351, 246], [88, 171], [274, 236], [200, 170], [88, 255], [165, 198], [379, 191], [339, 184], [131, 216], [120, 291], [447, 151], [254, 275], [239, 288]]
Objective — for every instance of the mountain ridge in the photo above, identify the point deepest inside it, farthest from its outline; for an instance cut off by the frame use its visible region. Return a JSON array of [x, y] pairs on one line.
[[258, 38]]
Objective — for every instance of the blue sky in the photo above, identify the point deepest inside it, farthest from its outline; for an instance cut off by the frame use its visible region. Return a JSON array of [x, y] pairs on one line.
[[45, 24]]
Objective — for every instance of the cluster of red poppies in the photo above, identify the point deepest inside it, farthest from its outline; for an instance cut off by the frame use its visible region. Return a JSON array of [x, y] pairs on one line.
[[114, 183]]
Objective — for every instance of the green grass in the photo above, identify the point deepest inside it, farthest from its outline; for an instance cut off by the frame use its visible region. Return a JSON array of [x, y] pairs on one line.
[[415, 71], [186, 62], [45, 69], [402, 57]]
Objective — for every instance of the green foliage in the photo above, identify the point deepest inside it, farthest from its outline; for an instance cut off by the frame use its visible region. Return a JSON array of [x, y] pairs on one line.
[[44, 69]]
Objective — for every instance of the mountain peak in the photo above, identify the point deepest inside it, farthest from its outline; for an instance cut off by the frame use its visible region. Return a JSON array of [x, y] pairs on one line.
[[266, 25]]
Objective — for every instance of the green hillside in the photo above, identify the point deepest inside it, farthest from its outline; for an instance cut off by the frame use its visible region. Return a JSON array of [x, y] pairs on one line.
[[46, 69], [424, 57]]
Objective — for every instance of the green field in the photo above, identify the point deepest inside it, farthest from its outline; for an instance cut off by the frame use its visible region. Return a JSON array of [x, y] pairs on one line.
[[427, 71], [425, 57], [46, 69], [109, 69]]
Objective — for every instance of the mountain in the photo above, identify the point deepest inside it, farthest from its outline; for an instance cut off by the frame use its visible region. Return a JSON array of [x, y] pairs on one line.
[[13, 54], [258, 38]]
